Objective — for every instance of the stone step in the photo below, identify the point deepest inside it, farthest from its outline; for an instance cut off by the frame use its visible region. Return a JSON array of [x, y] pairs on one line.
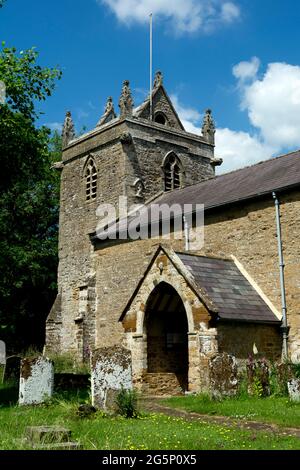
[[161, 384], [47, 434]]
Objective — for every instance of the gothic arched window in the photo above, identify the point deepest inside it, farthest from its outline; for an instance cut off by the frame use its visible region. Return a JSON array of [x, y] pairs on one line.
[[91, 180], [172, 172], [160, 118]]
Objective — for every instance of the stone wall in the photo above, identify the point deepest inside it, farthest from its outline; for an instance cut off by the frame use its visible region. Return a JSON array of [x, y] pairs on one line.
[[161, 104], [238, 340], [161, 359], [248, 232], [120, 163], [161, 384], [145, 160]]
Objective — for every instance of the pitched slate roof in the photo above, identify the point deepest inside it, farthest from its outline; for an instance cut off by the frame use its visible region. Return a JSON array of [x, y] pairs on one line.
[[257, 180], [276, 174], [230, 292]]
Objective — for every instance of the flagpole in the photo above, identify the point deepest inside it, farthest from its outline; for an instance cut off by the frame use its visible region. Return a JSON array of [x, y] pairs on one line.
[[151, 65]]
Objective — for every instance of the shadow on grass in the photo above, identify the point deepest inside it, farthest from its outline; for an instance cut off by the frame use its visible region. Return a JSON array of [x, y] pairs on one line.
[[9, 394], [77, 395]]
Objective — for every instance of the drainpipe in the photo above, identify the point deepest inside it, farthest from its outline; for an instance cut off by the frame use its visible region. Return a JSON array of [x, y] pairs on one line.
[[186, 233], [285, 328]]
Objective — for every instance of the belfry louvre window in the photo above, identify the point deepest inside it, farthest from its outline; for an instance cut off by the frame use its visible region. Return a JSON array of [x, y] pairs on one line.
[[173, 173], [91, 180]]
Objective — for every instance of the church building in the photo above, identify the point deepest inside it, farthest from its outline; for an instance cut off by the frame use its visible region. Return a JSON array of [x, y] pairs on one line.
[[174, 308]]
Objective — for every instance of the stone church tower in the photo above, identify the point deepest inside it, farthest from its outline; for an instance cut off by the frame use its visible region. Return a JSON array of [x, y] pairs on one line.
[[179, 312], [134, 155]]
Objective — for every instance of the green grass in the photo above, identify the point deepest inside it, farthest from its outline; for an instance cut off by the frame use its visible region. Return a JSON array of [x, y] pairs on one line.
[[149, 432], [65, 363], [280, 411]]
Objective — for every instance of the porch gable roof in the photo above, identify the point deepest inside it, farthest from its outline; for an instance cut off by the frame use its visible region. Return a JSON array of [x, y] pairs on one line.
[[220, 286]]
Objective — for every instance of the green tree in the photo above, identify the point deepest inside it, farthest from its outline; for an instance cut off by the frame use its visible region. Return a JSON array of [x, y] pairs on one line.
[[28, 200]]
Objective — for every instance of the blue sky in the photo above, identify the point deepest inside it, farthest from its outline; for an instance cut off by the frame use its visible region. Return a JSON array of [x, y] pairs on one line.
[[239, 57]]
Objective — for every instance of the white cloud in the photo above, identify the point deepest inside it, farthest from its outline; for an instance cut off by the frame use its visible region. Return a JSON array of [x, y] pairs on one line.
[[246, 70], [273, 105], [189, 117], [185, 113], [229, 12], [183, 15], [54, 126], [239, 149], [190, 127]]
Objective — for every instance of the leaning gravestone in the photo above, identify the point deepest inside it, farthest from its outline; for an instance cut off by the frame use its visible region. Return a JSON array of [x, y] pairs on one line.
[[36, 381], [111, 371]]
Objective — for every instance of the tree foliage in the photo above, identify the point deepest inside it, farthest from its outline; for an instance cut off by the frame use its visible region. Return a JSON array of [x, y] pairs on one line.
[[25, 80], [28, 200]]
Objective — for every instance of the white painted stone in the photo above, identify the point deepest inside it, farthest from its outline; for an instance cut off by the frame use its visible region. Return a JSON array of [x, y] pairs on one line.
[[36, 381], [110, 370], [294, 389], [2, 353]]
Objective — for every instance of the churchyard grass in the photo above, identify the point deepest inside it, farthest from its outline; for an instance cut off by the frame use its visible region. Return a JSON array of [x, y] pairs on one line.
[[149, 431], [276, 410]]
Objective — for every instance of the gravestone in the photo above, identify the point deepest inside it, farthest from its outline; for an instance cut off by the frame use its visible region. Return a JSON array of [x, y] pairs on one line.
[[294, 389], [110, 372], [36, 381], [2, 353], [223, 375], [2, 360]]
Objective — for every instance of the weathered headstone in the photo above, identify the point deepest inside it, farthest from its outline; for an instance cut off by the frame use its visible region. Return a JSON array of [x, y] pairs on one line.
[[36, 381], [110, 372], [2, 360], [294, 389], [2, 353], [223, 375]]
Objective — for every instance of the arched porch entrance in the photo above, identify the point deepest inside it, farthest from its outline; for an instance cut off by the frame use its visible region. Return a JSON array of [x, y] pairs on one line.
[[166, 328]]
